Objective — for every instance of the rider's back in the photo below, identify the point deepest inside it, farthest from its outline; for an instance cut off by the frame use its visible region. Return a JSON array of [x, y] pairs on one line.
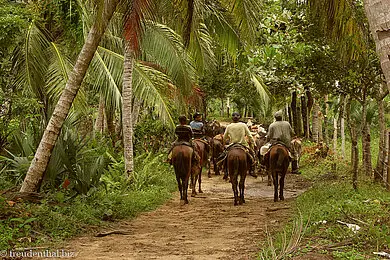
[[280, 131], [236, 133]]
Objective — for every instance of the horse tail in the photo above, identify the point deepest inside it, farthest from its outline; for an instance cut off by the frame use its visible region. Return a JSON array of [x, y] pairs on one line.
[[236, 164], [180, 166], [279, 162]]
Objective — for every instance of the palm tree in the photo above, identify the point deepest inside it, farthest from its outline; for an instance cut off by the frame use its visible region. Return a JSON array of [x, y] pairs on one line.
[[377, 13], [42, 156]]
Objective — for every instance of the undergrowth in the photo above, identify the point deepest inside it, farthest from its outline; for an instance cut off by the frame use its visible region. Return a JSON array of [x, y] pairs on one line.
[[328, 207], [59, 216]]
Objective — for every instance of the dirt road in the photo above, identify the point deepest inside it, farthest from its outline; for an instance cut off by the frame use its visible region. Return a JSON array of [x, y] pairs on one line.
[[210, 227]]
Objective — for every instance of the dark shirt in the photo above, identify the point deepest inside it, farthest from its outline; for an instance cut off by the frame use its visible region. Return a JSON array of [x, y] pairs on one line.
[[184, 133]]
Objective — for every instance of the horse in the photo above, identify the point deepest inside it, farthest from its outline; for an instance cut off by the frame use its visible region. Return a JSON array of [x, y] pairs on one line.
[[181, 161], [278, 165], [238, 164], [203, 151], [212, 128], [217, 148], [260, 142], [296, 150]]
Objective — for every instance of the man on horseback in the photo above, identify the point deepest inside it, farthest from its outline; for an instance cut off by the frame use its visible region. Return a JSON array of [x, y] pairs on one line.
[[184, 137], [236, 133], [280, 132]]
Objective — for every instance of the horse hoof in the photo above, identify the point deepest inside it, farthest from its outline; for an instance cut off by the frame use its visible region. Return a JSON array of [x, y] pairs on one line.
[[269, 184], [193, 194], [235, 203], [282, 198], [276, 200], [200, 191], [241, 202], [185, 202]]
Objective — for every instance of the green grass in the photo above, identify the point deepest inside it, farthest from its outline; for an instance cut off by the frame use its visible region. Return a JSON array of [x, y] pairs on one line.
[[54, 219], [331, 199]]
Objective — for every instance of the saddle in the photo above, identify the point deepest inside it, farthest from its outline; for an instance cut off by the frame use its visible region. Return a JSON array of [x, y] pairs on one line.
[[177, 143], [201, 140], [225, 153], [278, 144]]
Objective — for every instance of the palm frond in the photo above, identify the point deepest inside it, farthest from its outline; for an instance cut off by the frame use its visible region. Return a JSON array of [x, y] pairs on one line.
[[164, 46], [31, 62], [245, 14], [56, 77], [154, 89]]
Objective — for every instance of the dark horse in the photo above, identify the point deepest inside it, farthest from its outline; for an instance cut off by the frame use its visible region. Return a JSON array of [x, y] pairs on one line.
[[278, 165], [181, 161], [238, 164], [217, 147], [203, 151]]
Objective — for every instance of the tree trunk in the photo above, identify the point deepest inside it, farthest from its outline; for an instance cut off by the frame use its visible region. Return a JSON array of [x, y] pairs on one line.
[[304, 117], [320, 125], [315, 122], [378, 173], [290, 119], [299, 118], [110, 119], [388, 165], [378, 15], [99, 124], [127, 96], [42, 156], [222, 108], [342, 126], [354, 147], [326, 120], [335, 135], [294, 112], [310, 102]]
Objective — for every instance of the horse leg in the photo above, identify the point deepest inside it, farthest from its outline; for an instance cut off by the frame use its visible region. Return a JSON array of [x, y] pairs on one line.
[[275, 178], [234, 187], [282, 175], [193, 184], [200, 181], [242, 187], [180, 186], [209, 166], [185, 191], [269, 177]]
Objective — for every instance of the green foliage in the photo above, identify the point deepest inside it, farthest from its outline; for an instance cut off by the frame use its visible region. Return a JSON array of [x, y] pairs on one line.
[[331, 199], [151, 135], [60, 216]]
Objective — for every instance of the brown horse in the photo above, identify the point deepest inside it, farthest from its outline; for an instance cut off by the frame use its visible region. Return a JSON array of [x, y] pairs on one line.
[[278, 165], [238, 164], [217, 148], [203, 151], [181, 161]]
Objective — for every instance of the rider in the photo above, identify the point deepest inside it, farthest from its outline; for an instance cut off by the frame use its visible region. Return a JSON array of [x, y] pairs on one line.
[[236, 133], [279, 132], [197, 125], [184, 137]]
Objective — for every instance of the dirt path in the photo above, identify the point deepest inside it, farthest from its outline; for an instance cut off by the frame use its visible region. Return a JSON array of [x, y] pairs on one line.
[[210, 227]]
